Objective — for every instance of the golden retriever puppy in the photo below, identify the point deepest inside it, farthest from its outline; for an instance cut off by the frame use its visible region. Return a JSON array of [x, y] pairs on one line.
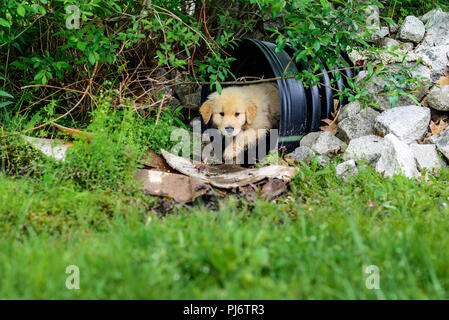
[[240, 112]]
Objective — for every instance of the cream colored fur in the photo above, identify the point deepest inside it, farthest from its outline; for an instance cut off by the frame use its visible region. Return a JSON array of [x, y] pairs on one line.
[[246, 109]]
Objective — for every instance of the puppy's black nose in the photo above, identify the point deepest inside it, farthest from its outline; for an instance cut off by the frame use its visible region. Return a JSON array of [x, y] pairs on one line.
[[229, 129]]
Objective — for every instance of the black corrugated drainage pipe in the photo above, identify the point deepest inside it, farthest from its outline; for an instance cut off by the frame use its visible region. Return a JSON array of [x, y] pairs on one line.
[[301, 109]]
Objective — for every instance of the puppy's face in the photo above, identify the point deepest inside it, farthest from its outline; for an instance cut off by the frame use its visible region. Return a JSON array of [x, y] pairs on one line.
[[229, 112]]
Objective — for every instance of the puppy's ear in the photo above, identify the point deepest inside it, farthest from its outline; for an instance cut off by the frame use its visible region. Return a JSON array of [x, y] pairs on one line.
[[251, 112], [206, 111]]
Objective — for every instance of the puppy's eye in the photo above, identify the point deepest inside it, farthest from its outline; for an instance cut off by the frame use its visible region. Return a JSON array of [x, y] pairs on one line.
[[222, 114], [237, 114]]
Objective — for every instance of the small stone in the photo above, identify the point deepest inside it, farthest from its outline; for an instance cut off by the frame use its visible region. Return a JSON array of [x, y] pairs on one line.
[[427, 157], [302, 154], [367, 148], [438, 98], [349, 110], [408, 123], [346, 169], [396, 158], [412, 29], [359, 125], [323, 143]]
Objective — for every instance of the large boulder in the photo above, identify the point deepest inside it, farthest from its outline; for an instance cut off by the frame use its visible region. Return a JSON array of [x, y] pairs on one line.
[[412, 29], [367, 148], [358, 125], [427, 157], [408, 123], [397, 158], [438, 56], [437, 29], [323, 143], [438, 98]]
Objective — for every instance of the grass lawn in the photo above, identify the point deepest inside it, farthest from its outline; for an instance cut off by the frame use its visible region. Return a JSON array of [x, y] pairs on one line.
[[313, 243]]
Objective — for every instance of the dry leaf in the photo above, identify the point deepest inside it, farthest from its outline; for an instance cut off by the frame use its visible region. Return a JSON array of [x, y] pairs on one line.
[[331, 126], [435, 129], [74, 132], [424, 102], [443, 81]]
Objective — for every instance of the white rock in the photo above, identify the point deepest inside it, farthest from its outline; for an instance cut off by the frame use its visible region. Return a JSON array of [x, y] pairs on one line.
[[427, 157], [367, 148], [438, 98], [408, 123], [323, 143], [412, 29], [346, 169], [396, 158]]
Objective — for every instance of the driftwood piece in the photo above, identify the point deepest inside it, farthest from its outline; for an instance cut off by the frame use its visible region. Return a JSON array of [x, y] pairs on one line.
[[234, 178]]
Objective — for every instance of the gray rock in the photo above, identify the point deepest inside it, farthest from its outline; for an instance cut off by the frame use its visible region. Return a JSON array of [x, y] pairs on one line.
[[192, 100], [438, 57], [427, 157], [438, 98], [396, 158], [323, 143], [349, 110], [408, 123], [437, 30], [408, 46], [412, 29], [431, 15], [442, 142], [367, 148], [346, 169], [302, 154], [389, 43], [359, 125]]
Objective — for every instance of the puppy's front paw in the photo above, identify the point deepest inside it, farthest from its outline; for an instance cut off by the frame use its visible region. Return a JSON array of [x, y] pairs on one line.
[[229, 154]]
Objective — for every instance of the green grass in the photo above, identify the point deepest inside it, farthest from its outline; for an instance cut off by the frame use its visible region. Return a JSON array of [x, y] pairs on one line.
[[311, 244]]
